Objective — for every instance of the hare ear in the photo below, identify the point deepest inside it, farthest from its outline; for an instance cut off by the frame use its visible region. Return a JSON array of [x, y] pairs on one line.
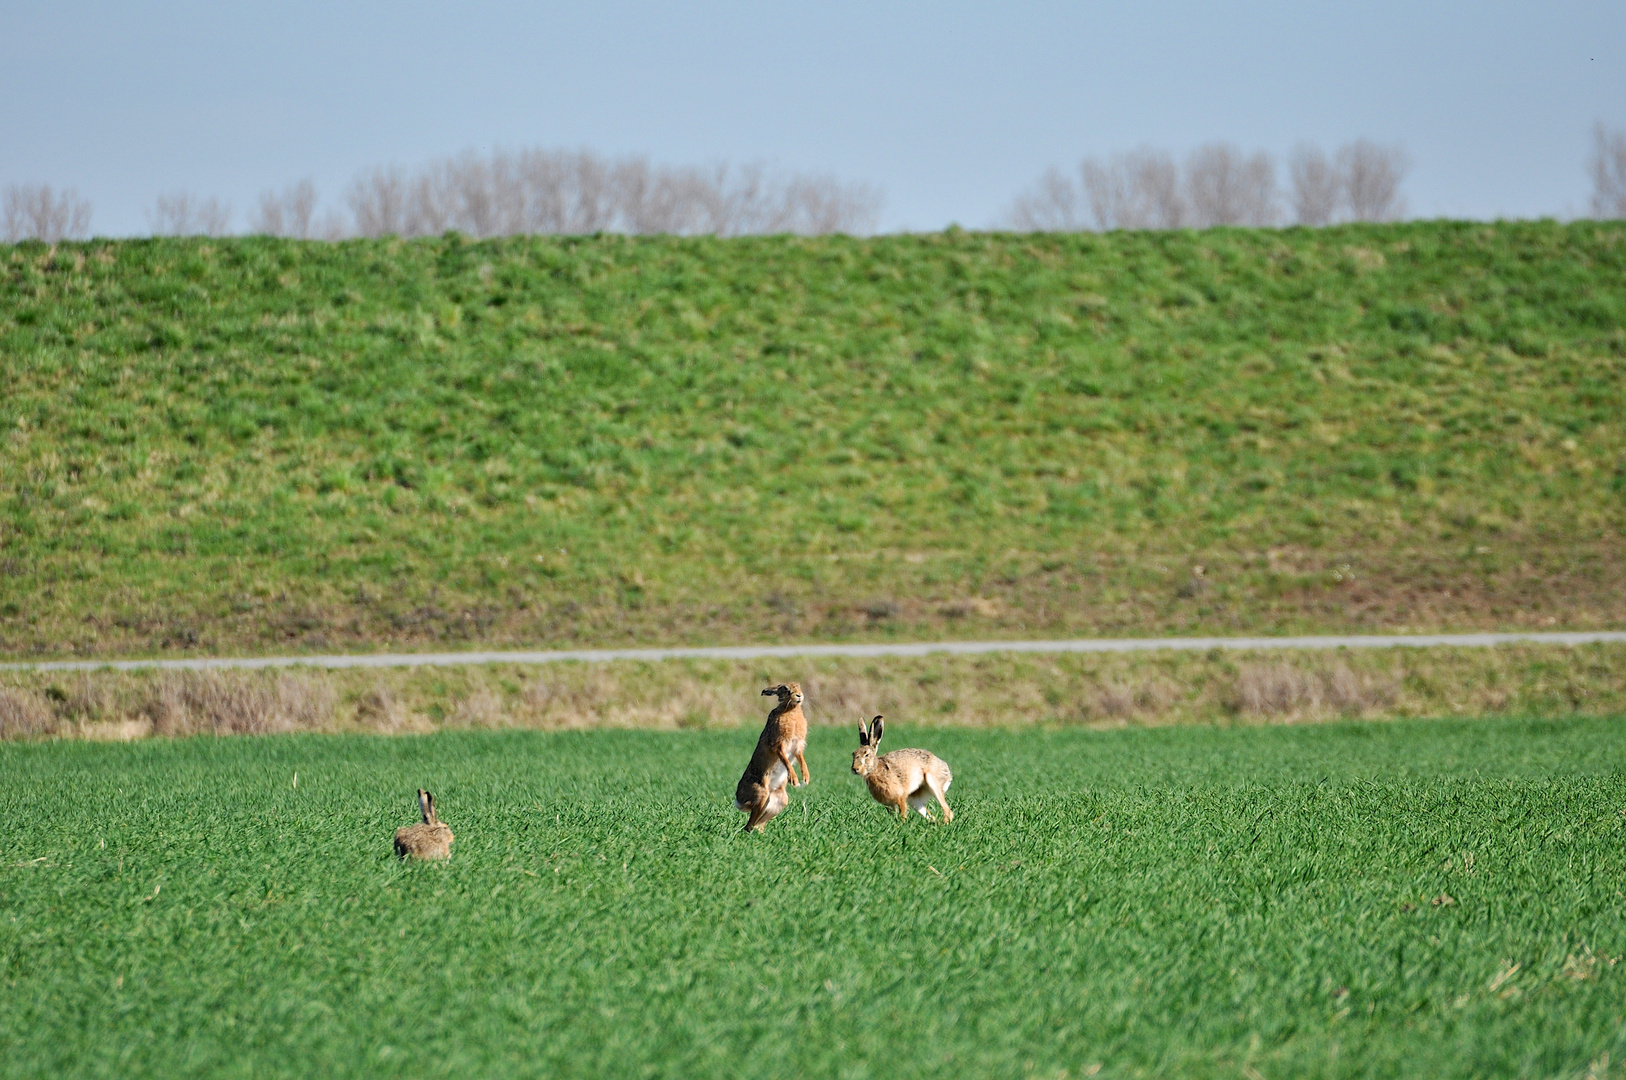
[[863, 734], [875, 729], [426, 806]]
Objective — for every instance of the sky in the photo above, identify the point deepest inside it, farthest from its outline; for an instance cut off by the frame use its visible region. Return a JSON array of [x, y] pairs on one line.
[[951, 109]]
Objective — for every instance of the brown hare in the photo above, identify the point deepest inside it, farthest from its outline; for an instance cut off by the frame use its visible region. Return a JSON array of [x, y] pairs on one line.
[[905, 779], [429, 840], [761, 791]]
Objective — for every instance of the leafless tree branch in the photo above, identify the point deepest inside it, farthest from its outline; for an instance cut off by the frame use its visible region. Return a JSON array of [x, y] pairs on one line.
[[1608, 169]]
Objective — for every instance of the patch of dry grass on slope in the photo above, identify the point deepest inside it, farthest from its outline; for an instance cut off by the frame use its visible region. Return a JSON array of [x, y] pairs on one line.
[[995, 690]]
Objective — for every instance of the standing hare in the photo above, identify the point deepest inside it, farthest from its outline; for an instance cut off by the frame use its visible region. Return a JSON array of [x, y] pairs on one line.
[[429, 840], [761, 791], [905, 779]]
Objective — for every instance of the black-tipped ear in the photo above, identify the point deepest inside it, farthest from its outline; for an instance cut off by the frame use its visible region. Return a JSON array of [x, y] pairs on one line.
[[426, 805], [875, 729], [863, 734]]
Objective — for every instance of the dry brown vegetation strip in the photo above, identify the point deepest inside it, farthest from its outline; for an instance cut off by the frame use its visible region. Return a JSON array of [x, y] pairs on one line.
[[1102, 690]]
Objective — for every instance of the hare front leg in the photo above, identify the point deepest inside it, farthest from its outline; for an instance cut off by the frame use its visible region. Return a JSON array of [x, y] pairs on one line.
[[803, 762], [937, 789], [790, 768]]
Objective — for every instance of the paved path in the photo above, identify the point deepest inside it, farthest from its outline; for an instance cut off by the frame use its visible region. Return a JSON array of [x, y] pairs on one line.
[[755, 652]]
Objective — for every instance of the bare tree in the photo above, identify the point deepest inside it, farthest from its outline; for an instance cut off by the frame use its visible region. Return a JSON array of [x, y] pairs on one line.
[[1053, 205], [652, 200], [1155, 198], [1137, 190], [379, 201], [1371, 175], [1226, 187], [746, 201], [1109, 191], [292, 212], [1318, 186], [817, 204], [35, 212], [181, 213], [1608, 169]]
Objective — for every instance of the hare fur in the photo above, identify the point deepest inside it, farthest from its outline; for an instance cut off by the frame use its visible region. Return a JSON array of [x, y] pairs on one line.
[[428, 840], [904, 779], [781, 746]]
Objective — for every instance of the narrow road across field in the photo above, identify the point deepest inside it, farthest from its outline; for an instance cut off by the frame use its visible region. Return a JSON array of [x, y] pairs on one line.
[[753, 652]]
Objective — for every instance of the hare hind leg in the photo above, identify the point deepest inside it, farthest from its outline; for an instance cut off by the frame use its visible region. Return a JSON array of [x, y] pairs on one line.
[[760, 808], [759, 815], [920, 800], [770, 805]]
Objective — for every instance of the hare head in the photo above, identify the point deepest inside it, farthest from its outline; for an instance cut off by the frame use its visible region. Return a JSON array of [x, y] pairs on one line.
[[868, 739], [787, 693]]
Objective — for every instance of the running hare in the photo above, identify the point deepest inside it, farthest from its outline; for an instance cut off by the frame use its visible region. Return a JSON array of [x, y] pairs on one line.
[[430, 840], [905, 779], [761, 791]]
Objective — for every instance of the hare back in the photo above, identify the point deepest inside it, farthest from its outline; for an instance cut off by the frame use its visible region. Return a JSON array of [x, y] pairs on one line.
[[423, 841], [904, 772]]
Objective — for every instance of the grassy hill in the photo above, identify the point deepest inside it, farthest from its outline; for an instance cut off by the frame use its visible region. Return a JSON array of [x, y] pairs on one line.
[[260, 444]]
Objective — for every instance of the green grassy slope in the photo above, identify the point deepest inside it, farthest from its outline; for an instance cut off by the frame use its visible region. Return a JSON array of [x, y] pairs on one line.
[[256, 444], [1193, 902]]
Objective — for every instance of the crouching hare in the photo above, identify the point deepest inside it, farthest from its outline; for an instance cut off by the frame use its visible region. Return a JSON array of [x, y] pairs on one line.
[[429, 840], [905, 779]]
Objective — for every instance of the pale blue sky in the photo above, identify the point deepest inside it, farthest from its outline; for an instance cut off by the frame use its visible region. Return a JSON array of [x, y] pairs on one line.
[[950, 108]]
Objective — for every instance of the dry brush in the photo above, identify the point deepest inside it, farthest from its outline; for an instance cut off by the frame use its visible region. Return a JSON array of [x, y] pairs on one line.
[[995, 690]]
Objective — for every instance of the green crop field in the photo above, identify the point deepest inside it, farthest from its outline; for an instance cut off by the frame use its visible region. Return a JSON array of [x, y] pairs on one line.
[[254, 444], [1407, 899]]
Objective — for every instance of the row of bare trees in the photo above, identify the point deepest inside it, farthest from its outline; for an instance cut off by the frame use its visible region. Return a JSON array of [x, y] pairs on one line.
[[1218, 184], [501, 194], [39, 212], [550, 191], [180, 213]]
